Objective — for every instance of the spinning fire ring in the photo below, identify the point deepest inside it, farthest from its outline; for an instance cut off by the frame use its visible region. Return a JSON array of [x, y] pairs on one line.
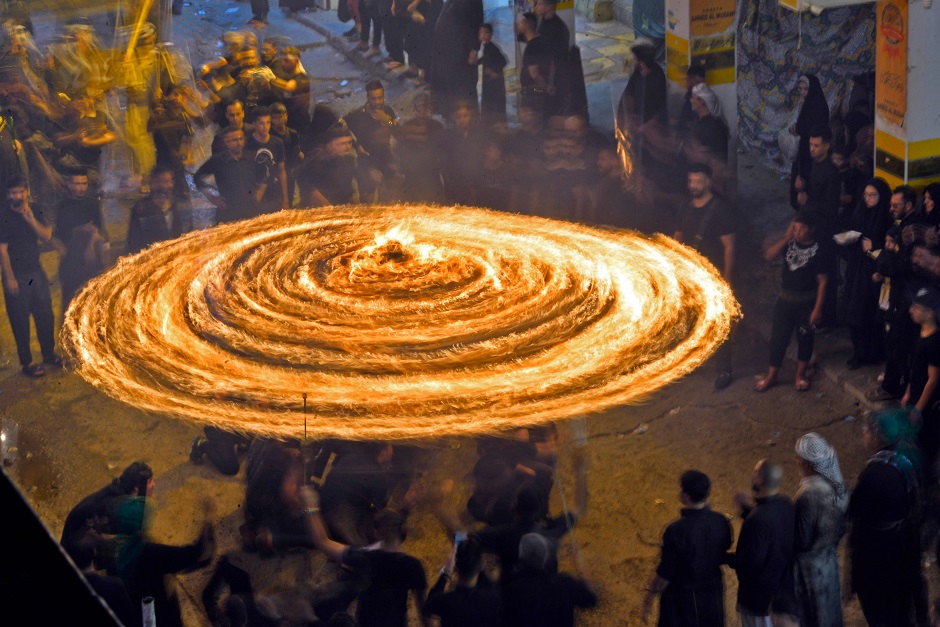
[[396, 322]]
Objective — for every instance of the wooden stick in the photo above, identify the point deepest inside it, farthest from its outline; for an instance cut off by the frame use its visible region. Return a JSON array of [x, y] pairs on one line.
[[135, 36]]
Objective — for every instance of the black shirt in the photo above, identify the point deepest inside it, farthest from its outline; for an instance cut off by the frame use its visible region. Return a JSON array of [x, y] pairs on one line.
[[763, 558], [801, 266], [390, 576], [926, 354], [542, 599], [258, 152], [237, 182], [334, 178], [703, 227], [149, 224], [21, 240], [694, 548], [72, 213], [503, 540], [464, 607], [538, 52], [555, 33]]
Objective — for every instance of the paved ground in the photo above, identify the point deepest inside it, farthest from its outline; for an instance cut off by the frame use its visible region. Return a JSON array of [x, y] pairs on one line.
[[65, 439]]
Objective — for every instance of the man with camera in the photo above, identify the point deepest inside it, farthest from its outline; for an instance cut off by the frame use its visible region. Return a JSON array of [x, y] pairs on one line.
[[268, 153]]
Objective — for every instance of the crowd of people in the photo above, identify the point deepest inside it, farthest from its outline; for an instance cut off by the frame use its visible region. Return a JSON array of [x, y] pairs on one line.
[[856, 253], [351, 503], [786, 557]]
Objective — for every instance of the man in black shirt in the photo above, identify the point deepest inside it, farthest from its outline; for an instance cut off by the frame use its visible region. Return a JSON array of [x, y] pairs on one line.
[[707, 225], [80, 235], [158, 217], [820, 194], [293, 156], [554, 32], [689, 573], [268, 152], [25, 284], [474, 601], [372, 125], [238, 190], [387, 574], [537, 74], [329, 177], [538, 596], [763, 557], [800, 304]]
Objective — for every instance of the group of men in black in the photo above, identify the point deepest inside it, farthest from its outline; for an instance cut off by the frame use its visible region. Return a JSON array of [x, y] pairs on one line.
[[351, 502]]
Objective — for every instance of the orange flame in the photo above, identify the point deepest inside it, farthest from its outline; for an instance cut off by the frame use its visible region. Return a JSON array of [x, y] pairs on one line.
[[468, 321]]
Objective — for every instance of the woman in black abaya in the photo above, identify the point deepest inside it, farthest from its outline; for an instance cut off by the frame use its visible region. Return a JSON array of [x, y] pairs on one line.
[[871, 218]]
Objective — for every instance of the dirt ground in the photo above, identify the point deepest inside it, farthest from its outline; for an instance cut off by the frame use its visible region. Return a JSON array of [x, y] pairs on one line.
[[64, 439]]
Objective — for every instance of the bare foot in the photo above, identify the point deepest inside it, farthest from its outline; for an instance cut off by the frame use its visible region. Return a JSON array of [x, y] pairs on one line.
[[765, 384]]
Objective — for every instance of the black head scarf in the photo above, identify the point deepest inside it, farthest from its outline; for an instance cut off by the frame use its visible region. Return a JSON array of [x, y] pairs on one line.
[[933, 218], [815, 109], [874, 222]]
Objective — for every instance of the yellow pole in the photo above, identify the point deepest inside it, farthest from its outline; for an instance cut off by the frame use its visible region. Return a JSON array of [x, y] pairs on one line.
[[141, 18]]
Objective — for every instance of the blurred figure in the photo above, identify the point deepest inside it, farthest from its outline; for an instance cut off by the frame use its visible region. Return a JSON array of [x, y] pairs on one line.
[[158, 217], [80, 236]]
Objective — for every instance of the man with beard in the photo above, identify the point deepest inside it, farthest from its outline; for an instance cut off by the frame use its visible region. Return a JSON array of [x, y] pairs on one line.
[[820, 194], [708, 226], [329, 178], [268, 153], [235, 118], [372, 125], [80, 236], [158, 217], [25, 284], [238, 187]]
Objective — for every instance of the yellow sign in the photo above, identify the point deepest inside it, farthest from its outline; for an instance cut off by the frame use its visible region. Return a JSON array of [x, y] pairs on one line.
[[891, 61], [710, 17]]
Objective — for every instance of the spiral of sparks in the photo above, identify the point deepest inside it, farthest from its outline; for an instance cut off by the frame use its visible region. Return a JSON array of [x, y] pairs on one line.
[[397, 322]]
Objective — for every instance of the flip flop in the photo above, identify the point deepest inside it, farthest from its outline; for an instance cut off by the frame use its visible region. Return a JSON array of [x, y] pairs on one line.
[[802, 385]]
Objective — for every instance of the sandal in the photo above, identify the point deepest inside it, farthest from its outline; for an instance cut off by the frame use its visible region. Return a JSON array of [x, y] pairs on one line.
[[34, 370], [764, 384], [802, 385], [55, 361]]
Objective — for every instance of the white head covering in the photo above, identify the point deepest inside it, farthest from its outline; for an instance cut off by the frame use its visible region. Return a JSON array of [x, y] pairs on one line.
[[814, 448], [709, 97]]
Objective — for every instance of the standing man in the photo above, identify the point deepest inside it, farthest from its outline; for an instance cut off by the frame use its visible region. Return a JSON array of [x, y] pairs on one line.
[[894, 265], [238, 190], [688, 577], [80, 235], [763, 558], [330, 175], [708, 226], [537, 74], [268, 153], [25, 285], [820, 194], [158, 217], [819, 507], [557, 37], [372, 125]]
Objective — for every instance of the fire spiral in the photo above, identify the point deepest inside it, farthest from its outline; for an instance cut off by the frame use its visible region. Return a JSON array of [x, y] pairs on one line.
[[396, 322]]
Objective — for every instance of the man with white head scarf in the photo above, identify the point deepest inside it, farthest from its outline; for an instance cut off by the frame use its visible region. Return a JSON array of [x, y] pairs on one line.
[[820, 503], [710, 131]]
